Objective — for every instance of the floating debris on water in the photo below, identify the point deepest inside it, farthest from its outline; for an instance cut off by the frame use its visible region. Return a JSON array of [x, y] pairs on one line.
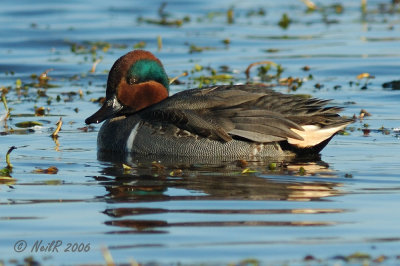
[[52, 170], [40, 111]]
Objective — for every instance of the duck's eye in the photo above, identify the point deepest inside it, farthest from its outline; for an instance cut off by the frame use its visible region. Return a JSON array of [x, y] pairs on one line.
[[132, 80]]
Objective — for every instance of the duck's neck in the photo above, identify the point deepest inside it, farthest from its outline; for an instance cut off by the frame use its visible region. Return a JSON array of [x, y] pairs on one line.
[[142, 95]]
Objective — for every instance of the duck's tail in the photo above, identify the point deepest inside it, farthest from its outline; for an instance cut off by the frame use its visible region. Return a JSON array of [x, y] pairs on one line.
[[315, 138]]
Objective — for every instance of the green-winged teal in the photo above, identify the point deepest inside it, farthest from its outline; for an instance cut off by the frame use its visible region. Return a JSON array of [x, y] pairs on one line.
[[222, 121]]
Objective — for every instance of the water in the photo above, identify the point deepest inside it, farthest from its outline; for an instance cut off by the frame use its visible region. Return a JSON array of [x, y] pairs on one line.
[[182, 212]]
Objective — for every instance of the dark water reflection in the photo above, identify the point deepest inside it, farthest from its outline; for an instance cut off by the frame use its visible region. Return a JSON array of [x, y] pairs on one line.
[[148, 179]]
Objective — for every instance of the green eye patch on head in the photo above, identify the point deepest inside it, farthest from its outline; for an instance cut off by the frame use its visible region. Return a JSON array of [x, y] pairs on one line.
[[147, 70]]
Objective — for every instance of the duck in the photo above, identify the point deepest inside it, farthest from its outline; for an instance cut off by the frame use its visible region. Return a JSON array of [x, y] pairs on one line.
[[242, 121]]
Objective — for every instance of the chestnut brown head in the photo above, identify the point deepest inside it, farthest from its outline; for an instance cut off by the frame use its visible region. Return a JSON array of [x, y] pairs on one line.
[[136, 81]]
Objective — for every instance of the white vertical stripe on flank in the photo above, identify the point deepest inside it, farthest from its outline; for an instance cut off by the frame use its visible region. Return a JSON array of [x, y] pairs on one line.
[[131, 138]]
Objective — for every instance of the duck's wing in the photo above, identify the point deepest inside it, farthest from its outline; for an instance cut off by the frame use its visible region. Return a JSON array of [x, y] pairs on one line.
[[251, 112]]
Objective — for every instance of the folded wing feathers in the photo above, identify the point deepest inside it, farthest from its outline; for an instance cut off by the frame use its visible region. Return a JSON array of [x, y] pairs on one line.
[[254, 113], [255, 136], [268, 130], [206, 126], [275, 121]]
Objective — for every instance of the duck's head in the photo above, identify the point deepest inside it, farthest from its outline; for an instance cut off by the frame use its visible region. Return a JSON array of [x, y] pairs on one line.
[[136, 80]]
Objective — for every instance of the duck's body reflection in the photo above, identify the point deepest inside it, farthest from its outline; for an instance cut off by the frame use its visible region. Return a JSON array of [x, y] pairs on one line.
[[133, 179]]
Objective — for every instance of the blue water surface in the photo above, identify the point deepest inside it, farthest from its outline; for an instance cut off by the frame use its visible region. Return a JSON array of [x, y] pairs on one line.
[[346, 203]]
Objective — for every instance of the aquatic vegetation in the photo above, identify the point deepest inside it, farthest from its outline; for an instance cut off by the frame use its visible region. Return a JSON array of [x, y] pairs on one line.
[[27, 124], [93, 48], [204, 76], [140, 45], [164, 19], [212, 79], [159, 43], [285, 21], [95, 63], [263, 70], [6, 171], [272, 166], [51, 170], [311, 6], [4, 100], [302, 171], [256, 12], [39, 81], [58, 128], [40, 111], [175, 79], [198, 49], [264, 75], [230, 16]]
